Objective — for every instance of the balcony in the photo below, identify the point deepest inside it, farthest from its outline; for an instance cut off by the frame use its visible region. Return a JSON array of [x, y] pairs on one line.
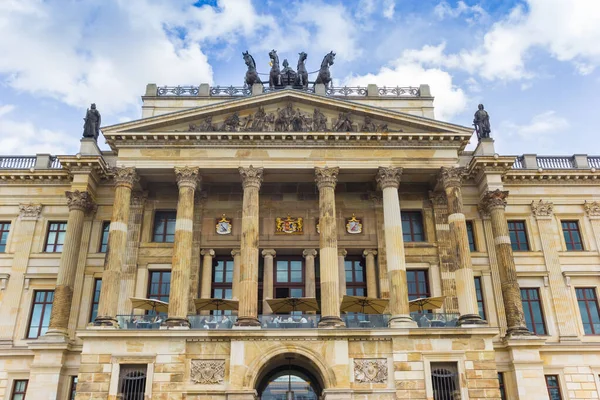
[[577, 161], [39, 161]]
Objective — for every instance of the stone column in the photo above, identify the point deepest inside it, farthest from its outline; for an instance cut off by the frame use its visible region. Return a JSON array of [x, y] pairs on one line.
[[561, 295], [465, 285], [79, 203], [207, 264], [326, 179], [383, 277], [342, 271], [196, 266], [235, 253], [389, 180], [494, 202], [187, 180], [369, 256], [124, 178], [310, 288], [268, 254], [248, 287]]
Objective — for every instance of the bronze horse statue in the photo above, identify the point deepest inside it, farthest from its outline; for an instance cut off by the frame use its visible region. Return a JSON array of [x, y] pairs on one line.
[[275, 74], [324, 76], [251, 75], [302, 73]]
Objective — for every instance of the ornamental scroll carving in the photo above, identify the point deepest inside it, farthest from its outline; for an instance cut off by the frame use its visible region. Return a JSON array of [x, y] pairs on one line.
[[207, 372], [370, 370], [592, 209], [542, 208], [30, 211]]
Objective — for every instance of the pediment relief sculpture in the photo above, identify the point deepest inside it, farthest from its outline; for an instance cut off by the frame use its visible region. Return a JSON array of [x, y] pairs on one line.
[[290, 119]]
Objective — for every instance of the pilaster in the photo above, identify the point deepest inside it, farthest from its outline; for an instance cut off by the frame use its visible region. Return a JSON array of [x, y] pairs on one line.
[[371, 276], [342, 253], [207, 269], [310, 289], [383, 279], [268, 273]]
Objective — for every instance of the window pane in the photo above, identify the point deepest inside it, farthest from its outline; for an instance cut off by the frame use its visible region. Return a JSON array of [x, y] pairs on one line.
[[296, 276], [296, 292]]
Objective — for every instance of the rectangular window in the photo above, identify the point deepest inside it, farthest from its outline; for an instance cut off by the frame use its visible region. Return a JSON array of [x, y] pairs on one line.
[[518, 235], [588, 308], [444, 381], [479, 294], [289, 278], [164, 226], [56, 237], [501, 386], [40, 313], [418, 283], [553, 387], [532, 307], [412, 226], [132, 381], [104, 238], [96, 299], [222, 281], [73, 388], [471, 236], [572, 235], [4, 230], [159, 287], [19, 389], [356, 284]]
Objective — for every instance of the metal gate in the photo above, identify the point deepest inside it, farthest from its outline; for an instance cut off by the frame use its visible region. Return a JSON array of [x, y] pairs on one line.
[[132, 382], [444, 379]]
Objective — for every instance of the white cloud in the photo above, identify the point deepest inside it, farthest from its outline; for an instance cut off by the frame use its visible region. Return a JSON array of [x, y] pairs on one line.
[[389, 8], [473, 14], [542, 133], [543, 124]]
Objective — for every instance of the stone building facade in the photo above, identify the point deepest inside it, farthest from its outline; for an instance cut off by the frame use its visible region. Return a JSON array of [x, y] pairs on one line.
[[256, 194]]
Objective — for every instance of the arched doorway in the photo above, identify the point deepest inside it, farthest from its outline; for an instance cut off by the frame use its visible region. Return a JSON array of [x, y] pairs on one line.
[[289, 371]]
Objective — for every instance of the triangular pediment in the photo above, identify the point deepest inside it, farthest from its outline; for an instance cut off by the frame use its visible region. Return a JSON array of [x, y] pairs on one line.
[[287, 111]]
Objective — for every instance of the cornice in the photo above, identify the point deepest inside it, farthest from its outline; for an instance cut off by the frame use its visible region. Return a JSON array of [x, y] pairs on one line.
[[79, 164], [551, 177], [35, 177], [480, 166]]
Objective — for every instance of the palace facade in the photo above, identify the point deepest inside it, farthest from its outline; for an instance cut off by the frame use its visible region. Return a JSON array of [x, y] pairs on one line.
[[260, 194]]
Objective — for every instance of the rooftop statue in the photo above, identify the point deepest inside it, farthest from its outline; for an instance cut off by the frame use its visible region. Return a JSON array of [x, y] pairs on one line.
[[251, 75], [324, 76], [91, 126], [302, 73], [482, 123], [275, 74], [288, 75]]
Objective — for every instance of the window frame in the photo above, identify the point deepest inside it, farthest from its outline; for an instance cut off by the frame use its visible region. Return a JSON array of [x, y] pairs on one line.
[[471, 236], [557, 387], [103, 247], [529, 301], [479, 293], [570, 234], [419, 294], [159, 296], [289, 285], [353, 284], [73, 387], [4, 230], [518, 242], [595, 332], [58, 231], [411, 232], [164, 233], [223, 286], [94, 302], [502, 385], [44, 309], [14, 387]]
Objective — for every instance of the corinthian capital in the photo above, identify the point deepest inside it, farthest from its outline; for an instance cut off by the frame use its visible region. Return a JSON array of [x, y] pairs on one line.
[[452, 177], [493, 199], [592, 209], [542, 208], [125, 176], [251, 177], [30, 211], [389, 177], [77, 200], [187, 177], [326, 177]]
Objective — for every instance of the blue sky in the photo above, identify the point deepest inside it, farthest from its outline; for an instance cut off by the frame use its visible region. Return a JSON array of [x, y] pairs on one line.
[[533, 63]]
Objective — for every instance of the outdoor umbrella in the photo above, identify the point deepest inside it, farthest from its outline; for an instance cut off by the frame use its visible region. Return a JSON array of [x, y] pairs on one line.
[[156, 306], [364, 305], [292, 304], [426, 303], [215, 304]]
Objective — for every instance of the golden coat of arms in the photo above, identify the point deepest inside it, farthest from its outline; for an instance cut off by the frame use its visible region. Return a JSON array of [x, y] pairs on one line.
[[289, 225], [353, 225], [223, 226]]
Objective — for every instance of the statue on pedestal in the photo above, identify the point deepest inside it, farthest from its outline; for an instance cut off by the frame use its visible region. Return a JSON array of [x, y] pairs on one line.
[[91, 126], [482, 123]]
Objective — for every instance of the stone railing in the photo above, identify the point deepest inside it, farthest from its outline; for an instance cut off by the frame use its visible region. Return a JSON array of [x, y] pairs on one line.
[[204, 90], [39, 161], [577, 161]]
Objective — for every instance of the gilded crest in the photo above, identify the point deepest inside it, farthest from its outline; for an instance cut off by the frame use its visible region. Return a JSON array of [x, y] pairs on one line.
[[289, 225], [223, 226], [353, 225]]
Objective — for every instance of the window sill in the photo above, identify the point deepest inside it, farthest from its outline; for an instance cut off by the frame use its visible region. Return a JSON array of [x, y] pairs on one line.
[[156, 245]]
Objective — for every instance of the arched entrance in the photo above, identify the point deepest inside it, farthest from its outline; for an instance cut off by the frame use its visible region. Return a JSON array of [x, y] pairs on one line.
[[289, 371]]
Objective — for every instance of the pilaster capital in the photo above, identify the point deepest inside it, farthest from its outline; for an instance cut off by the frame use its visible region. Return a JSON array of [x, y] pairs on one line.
[[483, 211], [342, 253], [235, 253], [207, 252], [187, 177], [452, 176], [138, 198], [268, 253], [388, 177], [81, 201], [200, 198], [592, 209], [30, 211], [125, 176], [376, 197], [438, 199], [309, 253], [326, 177], [369, 252], [251, 176], [494, 199], [542, 208]]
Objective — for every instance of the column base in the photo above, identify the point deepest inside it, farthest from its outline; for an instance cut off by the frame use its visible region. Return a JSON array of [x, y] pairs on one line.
[[182, 323], [106, 321], [247, 321], [515, 331], [331, 322], [471, 319], [402, 321]]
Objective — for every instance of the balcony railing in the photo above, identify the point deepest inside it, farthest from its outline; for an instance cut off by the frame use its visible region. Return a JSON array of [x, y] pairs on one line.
[[594, 162], [579, 161], [40, 161], [555, 162]]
